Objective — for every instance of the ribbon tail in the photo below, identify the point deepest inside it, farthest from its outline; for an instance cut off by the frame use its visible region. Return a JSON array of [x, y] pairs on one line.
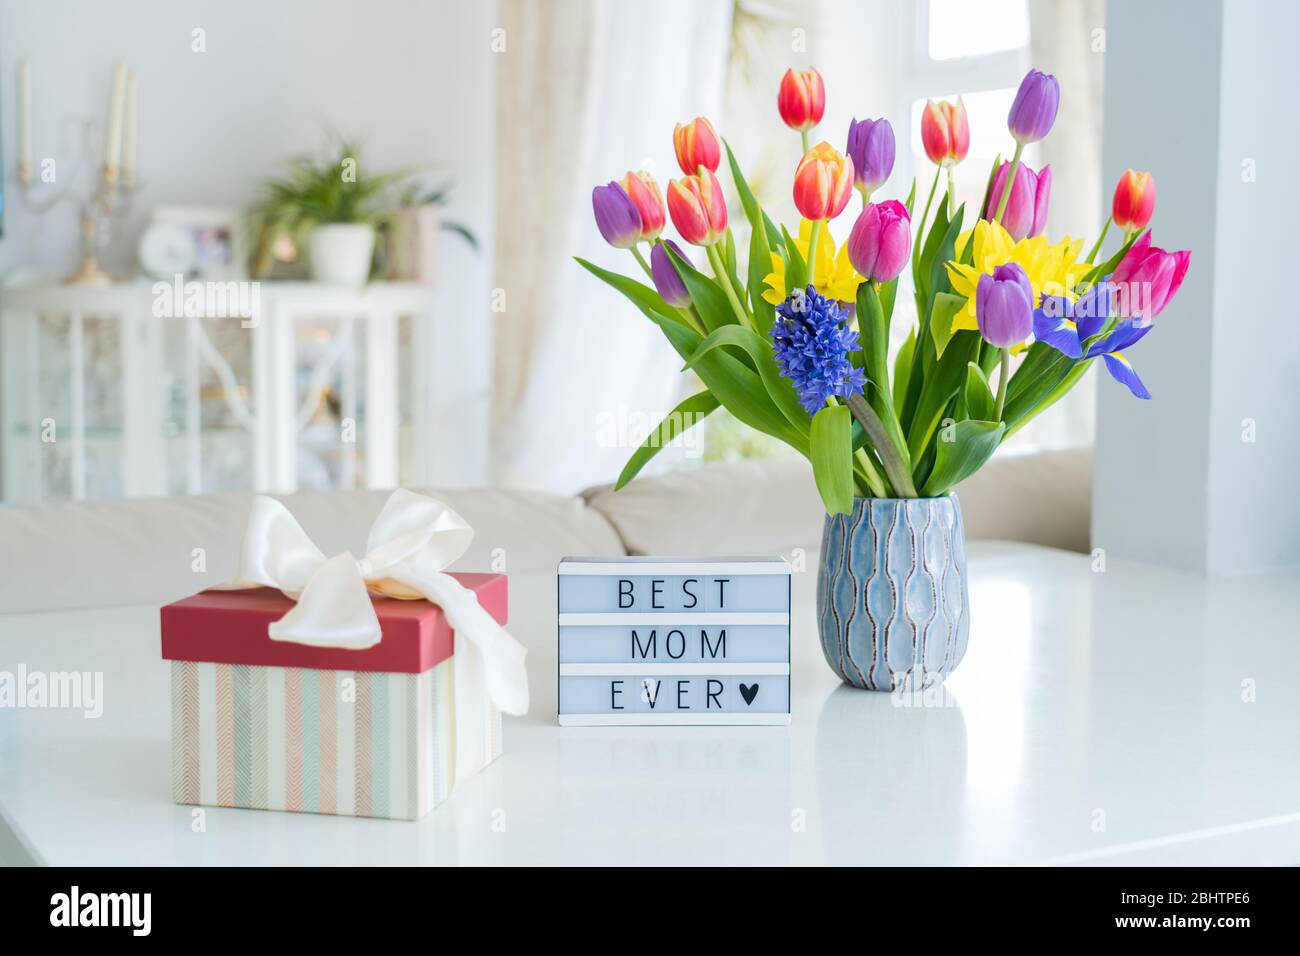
[[476, 630], [333, 610]]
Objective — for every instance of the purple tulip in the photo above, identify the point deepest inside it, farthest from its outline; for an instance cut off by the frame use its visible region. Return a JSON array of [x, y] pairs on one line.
[[1026, 212], [664, 273], [1004, 306], [871, 146], [1034, 110], [881, 240], [616, 216]]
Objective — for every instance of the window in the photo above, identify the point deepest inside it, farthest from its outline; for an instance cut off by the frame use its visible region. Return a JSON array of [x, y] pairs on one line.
[[959, 28]]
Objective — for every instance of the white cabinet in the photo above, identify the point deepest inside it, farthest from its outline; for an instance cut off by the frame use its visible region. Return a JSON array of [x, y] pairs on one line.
[[319, 387]]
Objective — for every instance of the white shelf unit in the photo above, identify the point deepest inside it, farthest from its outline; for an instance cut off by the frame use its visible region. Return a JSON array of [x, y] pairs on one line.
[[384, 388]]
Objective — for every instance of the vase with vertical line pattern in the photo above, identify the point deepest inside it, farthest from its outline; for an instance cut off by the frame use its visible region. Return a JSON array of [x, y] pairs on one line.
[[893, 611]]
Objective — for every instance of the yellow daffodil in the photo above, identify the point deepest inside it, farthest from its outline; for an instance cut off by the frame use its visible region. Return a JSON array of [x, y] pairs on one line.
[[1053, 269], [833, 275]]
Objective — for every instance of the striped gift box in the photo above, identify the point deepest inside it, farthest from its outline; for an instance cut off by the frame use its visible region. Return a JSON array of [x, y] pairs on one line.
[[377, 739]]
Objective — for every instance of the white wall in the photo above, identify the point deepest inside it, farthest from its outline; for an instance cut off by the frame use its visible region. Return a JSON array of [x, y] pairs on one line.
[[1193, 92], [413, 80]]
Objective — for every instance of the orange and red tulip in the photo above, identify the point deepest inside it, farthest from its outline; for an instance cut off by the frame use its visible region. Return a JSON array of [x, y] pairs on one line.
[[642, 189], [697, 208], [823, 182], [696, 145], [802, 99], [945, 132], [1135, 200]]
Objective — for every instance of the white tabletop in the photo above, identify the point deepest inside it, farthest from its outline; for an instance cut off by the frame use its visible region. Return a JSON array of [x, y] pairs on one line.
[[1133, 716]]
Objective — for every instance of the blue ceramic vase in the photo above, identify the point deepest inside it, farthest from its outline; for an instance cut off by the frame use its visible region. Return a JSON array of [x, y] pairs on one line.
[[892, 605]]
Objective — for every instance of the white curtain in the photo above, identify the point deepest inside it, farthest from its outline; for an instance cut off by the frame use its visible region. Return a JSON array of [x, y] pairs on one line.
[[588, 90]]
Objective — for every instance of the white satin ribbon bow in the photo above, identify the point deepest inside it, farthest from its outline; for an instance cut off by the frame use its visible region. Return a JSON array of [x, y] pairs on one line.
[[413, 539]]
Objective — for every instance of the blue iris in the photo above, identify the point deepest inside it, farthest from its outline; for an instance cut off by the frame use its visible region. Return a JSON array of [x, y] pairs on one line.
[[812, 341]]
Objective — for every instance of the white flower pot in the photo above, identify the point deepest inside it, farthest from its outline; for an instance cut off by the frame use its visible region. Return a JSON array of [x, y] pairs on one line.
[[340, 253]]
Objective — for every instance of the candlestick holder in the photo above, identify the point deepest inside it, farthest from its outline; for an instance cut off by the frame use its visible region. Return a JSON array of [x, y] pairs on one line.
[[109, 197]]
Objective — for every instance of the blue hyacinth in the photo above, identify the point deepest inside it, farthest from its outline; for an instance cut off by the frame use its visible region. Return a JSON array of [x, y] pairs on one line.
[[812, 342]]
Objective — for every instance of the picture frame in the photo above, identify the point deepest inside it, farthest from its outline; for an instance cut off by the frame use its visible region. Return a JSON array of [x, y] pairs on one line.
[[220, 238]]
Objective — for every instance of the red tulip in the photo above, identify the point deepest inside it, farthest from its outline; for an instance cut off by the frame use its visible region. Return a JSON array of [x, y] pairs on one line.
[[696, 145], [802, 99], [823, 182], [945, 132], [642, 189], [1135, 200], [697, 208]]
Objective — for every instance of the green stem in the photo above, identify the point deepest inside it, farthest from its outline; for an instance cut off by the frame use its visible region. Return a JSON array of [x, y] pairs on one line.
[[644, 265], [803, 136], [899, 476], [1008, 183], [720, 270], [952, 194], [1004, 373], [1092, 256], [814, 236]]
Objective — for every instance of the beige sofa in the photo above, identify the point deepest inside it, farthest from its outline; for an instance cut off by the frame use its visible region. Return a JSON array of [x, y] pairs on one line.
[[152, 551]]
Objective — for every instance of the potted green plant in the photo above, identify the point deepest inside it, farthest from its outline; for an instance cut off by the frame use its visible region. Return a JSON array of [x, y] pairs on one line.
[[332, 205]]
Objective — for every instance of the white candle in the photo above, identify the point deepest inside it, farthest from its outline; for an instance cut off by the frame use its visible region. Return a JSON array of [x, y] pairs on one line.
[[113, 150], [24, 117], [128, 140]]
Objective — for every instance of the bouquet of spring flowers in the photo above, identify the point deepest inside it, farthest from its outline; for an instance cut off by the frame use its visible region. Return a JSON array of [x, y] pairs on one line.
[[792, 336]]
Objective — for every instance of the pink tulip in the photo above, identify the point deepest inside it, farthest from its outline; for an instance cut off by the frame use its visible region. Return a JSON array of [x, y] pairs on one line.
[[1147, 278], [881, 241], [1026, 212]]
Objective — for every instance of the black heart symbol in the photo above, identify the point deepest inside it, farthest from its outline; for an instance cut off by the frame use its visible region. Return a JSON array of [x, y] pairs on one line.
[[749, 692]]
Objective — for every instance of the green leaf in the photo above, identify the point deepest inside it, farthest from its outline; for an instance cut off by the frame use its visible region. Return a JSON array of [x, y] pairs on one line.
[[706, 295], [753, 211], [903, 367], [911, 198], [929, 248], [874, 334], [831, 451], [642, 296], [796, 270], [988, 183], [760, 265], [960, 453], [688, 413], [943, 379], [729, 253], [778, 388], [938, 279], [979, 396], [734, 384], [946, 306]]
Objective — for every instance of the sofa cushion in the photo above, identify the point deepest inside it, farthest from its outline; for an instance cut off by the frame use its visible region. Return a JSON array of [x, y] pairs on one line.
[[143, 551], [772, 506]]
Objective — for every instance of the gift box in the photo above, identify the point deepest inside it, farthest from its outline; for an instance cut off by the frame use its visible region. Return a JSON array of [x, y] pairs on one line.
[[276, 725]]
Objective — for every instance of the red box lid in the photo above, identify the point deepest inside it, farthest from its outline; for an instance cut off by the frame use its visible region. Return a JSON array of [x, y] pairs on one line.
[[229, 627]]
